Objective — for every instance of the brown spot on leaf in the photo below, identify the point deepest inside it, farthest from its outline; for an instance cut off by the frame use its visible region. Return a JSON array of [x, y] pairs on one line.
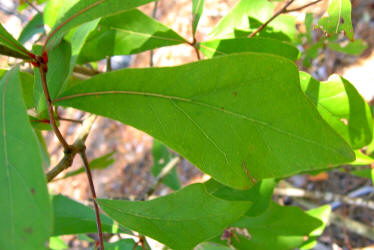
[[235, 93], [28, 230], [32, 190], [222, 108], [251, 178]]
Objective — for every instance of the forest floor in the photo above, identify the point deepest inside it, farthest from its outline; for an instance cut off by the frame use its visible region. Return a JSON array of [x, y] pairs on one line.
[[129, 177]]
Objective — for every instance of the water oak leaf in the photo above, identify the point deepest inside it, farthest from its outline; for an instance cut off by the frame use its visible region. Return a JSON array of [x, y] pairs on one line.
[[72, 217], [343, 108], [128, 33], [240, 118], [279, 227], [87, 10], [180, 220], [26, 217], [255, 44], [10, 46], [339, 19]]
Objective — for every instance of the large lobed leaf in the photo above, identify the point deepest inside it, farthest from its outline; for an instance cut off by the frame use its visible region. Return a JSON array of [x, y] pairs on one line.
[[239, 118], [87, 10], [180, 220], [343, 108], [26, 218], [127, 33]]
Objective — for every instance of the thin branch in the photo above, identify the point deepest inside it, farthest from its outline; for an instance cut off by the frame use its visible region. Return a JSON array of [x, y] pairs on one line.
[[351, 225], [33, 6], [69, 120], [93, 193], [164, 172], [280, 11], [302, 7], [67, 160], [85, 70], [108, 64], [51, 110], [326, 196]]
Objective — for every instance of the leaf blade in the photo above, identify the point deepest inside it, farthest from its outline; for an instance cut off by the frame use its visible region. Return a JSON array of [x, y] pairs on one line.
[[26, 218], [174, 219], [220, 96]]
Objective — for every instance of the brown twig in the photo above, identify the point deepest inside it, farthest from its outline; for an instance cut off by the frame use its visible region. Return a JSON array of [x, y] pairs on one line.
[[85, 70], [51, 110], [83, 155], [164, 172], [280, 11], [67, 160], [32, 6], [302, 7]]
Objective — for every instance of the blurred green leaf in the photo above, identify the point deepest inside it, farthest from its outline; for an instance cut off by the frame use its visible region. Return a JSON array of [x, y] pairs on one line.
[[161, 157], [277, 228], [56, 243], [35, 26], [260, 194], [10, 46], [88, 10], [322, 213], [128, 33], [123, 244], [338, 19], [343, 108], [188, 112], [72, 217], [238, 17], [26, 218], [197, 11], [262, 45], [350, 48], [211, 246], [180, 220], [58, 70]]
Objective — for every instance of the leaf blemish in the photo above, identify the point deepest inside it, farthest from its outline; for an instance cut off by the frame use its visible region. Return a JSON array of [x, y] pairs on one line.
[[235, 93], [32, 190], [252, 179], [28, 230]]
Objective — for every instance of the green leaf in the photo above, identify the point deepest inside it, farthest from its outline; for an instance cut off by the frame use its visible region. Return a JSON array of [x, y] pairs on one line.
[[35, 26], [350, 48], [72, 217], [263, 45], [88, 10], [237, 18], [56, 243], [27, 83], [26, 218], [339, 19], [10, 46], [322, 213], [308, 22], [58, 70], [161, 157], [260, 194], [278, 228], [211, 246], [123, 244], [180, 220], [361, 159], [223, 117], [343, 108], [197, 11], [128, 33], [98, 163]]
